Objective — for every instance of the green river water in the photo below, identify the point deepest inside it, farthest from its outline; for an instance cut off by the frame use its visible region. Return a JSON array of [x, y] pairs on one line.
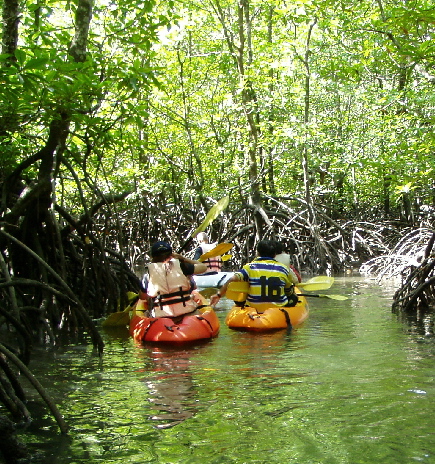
[[353, 385]]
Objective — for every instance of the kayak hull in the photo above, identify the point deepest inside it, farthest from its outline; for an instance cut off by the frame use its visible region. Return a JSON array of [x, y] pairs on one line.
[[193, 327], [212, 280], [247, 318]]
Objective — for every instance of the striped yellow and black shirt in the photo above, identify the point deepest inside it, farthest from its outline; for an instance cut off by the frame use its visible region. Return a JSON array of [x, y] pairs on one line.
[[268, 280]]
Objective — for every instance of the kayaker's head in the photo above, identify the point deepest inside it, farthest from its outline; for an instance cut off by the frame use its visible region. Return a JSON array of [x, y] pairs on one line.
[[266, 249], [279, 247], [202, 237], [161, 251]]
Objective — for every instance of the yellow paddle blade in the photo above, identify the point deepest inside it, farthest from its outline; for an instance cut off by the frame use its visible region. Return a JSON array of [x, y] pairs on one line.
[[226, 257], [212, 214], [131, 296], [334, 297], [315, 286], [121, 318], [237, 291], [116, 319], [317, 283], [208, 292], [216, 251], [318, 279]]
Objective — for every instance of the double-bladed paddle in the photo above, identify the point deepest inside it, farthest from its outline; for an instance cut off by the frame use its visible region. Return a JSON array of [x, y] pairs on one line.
[[315, 283]]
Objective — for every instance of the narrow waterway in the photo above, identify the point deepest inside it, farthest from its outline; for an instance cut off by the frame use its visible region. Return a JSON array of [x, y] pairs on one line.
[[353, 385]]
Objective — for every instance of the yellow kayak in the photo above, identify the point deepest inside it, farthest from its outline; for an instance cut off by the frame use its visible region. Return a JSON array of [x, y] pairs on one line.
[[274, 318]]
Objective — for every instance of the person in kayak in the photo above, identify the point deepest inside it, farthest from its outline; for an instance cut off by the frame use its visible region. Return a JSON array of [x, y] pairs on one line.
[[214, 265], [168, 285], [270, 282], [284, 258]]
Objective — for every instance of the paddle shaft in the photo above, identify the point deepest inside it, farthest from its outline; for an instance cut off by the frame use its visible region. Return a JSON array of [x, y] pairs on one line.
[[332, 297], [310, 294], [185, 244]]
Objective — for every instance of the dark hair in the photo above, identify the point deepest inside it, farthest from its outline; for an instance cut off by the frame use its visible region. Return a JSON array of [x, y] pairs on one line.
[[279, 246], [266, 248]]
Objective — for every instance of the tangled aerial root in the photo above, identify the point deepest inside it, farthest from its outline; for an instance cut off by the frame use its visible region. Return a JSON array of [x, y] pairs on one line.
[[413, 259]]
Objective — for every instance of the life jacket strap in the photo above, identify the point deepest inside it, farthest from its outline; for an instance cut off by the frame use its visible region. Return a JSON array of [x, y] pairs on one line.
[[167, 299]]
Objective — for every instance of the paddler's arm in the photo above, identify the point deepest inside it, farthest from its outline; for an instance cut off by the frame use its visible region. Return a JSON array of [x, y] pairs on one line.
[[199, 267], [214, 299]]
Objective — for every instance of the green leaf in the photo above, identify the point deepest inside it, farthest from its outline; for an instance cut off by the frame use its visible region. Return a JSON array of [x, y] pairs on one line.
[[20, 55], [36, 63]]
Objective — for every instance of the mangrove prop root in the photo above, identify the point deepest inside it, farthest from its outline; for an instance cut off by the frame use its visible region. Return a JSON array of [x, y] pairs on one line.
[[35, 383]]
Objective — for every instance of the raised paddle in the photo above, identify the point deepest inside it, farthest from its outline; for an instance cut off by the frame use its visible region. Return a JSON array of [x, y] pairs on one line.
[[237, 290], [226, 257], [210, 217], [216, 251], [316, 283]]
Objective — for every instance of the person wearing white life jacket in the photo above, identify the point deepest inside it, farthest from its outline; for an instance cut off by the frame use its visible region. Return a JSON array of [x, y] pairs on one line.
[[168, 283], [284, 258], [214, 265]]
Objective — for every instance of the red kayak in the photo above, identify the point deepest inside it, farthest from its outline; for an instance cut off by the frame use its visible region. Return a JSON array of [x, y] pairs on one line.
[[202, 325]]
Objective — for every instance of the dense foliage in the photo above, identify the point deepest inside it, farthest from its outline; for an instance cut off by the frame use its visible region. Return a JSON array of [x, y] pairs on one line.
[[123, 122]]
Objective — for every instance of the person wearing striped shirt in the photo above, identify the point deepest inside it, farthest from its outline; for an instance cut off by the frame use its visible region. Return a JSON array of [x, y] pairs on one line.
[[270, 282]]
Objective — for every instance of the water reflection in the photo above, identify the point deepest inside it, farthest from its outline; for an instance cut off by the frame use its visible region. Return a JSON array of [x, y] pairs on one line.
[[420, 322], [171, 390], [353, 385], [255, 352]]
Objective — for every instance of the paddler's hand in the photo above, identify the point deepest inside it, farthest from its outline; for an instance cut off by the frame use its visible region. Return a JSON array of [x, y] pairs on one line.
[[214, 299], [183, 258]]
